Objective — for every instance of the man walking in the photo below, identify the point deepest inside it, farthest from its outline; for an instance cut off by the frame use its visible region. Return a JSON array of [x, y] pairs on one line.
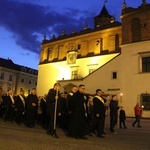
[[77, 107], [53, 102], [138, 113], [31, 108], [99, 113], [20, 107], [113, 113]]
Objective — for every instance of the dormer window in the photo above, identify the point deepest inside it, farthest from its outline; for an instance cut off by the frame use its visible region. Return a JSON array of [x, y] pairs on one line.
[[23, 69], [31, 71]]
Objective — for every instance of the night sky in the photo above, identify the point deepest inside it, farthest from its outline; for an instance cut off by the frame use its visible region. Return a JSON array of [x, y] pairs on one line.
[[23, 23]]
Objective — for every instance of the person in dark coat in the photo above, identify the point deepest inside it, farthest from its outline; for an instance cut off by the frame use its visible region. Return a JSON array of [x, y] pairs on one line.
[[4, 103], [10, 106], [1, 104], [53, 98], [44, 112], [90, 116], [122, 118], [113, 113], [99, 113], [78, 123], [31, 108], [70, 94], [68, 97], [20, 107]]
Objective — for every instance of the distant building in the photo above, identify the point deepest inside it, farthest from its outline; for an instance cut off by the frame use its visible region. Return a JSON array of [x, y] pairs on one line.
[[113, 56], [16, 77]]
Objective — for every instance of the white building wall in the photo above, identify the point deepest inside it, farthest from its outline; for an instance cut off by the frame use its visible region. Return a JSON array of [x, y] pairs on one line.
[[5, 83], [50, 73], [134, 83], [130, 81]]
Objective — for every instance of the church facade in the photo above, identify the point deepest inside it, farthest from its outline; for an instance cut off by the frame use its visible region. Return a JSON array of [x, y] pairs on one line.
[[113, 56]]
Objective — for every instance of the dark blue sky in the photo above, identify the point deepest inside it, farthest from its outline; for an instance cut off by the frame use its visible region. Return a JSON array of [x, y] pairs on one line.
[[24, 22]]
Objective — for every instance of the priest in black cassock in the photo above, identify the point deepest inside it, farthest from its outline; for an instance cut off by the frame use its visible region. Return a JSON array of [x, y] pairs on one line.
[[53, 105], [10, 106], [31, 108], [77, 107]]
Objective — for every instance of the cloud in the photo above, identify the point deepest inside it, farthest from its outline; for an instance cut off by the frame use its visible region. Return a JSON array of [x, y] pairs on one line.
[[29, 22]]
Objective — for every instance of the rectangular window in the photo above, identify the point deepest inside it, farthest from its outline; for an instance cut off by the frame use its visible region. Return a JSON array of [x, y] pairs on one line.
[[114, 75], [22, 80], [145, 101], [74, 74], [145, 64], [10, 78], [30, 82], [2, 76], [79, 46]]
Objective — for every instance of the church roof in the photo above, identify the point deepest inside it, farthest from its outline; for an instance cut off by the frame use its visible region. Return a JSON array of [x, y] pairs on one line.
[[104, 13]]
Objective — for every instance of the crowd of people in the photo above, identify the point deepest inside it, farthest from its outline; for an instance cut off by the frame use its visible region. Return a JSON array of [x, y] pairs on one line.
[[77, 114]]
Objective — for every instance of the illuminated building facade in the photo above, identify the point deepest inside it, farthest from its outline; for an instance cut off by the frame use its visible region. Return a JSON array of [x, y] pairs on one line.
[[113, 56], [16, 77]]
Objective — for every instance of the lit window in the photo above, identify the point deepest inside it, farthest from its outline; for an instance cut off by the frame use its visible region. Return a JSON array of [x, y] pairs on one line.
[[145, 101], [74, 74]]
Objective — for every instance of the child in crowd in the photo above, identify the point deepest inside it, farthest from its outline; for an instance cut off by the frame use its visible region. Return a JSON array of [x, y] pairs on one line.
[[122, 118]]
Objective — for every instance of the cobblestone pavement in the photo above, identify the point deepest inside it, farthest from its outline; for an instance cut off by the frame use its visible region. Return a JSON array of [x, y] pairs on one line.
[[15, 137]]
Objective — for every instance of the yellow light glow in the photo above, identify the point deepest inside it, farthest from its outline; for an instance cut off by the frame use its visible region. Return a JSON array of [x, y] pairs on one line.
[[63, 71]]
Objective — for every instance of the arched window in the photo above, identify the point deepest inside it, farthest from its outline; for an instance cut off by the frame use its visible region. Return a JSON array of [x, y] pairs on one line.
[[136, 30]]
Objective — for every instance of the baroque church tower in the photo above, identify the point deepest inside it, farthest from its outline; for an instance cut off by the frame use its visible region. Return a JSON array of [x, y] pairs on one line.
[[104, 18]]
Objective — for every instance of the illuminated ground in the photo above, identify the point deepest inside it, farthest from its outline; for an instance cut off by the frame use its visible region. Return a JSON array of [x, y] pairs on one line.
[[14, 137]]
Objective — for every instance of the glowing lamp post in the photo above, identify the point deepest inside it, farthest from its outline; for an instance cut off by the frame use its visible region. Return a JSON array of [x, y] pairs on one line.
[[121, 94]]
